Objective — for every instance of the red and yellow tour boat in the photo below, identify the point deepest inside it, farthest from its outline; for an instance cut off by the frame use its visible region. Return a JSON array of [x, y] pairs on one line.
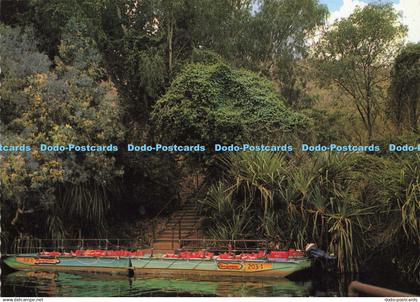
[[232, 263]]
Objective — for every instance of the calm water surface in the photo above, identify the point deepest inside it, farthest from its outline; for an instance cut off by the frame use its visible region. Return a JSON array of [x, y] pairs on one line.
[[44, 284]]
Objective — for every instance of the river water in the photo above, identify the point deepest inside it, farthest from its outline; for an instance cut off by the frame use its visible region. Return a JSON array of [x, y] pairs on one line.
[[59, 284]]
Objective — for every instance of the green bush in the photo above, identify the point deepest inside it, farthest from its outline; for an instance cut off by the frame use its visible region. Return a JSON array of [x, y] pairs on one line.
[[214, 103]]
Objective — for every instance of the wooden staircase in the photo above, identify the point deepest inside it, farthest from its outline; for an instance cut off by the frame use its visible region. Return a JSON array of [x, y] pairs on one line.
[[185, 223]]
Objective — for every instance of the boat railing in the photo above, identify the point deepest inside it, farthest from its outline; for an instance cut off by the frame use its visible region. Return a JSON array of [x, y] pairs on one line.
[[220, 245], [36, 245], [211, 245]]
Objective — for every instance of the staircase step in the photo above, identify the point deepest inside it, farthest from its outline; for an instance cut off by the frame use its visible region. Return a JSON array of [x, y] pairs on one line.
[[175, 236], [176, 224], [187, 220], [189, 227], [176, 232], [170, 239], [194, 214], [169, 235], [191, 217], [175, 228], [166, 235], [183, 223]]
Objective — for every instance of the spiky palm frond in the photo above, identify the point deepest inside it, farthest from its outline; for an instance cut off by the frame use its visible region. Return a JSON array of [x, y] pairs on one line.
[[86, 203]]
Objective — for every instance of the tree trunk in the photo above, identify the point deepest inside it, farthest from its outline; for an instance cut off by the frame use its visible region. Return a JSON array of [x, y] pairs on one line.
[[414, 116], [369, 110], [19, 211], [170, 50]]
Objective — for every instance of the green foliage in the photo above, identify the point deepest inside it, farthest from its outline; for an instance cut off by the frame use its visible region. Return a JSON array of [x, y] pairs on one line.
[[217, 104], [142, 44], [405, 86], [49, 19], [244, 195], [400, 239], [150, 182], [15, 75], [282, 29], [257, 39], [330, 127], [205, 56], [79, 49], [355, 55], [269, 39], [223, 26], [276, 44], [62, 107], [145, 44], [344, 203]]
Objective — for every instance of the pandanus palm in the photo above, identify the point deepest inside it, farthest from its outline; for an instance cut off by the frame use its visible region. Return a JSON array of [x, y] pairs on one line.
[[254, 175], [409, 203], [247, 188], [85, 205], [345, 203], [232, 218], [404, 213]]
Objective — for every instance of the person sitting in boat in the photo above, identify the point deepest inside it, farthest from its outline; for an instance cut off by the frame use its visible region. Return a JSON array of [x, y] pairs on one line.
[[275, 244], [230, 248]]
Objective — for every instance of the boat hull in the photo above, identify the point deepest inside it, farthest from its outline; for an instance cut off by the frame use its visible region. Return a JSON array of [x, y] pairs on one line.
[[219, 267], [156, 265], [97, 264]]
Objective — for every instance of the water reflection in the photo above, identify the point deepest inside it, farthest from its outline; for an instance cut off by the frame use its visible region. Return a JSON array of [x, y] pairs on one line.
[[316, 283], [91, 285]]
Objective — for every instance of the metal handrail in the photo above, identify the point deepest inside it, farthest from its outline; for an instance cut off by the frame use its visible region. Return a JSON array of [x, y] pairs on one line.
[[217, 249], [164, 208], [164, 224], [228, 240], [356, 287], [177, 225]]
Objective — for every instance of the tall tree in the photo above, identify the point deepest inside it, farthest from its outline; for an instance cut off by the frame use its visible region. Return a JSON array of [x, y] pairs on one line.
[[144, 43], [404, 102], [356, 54], [280, 30], [277, 44]]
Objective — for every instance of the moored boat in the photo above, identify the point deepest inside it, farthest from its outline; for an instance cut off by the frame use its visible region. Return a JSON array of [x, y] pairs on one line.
[[274, 264]]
